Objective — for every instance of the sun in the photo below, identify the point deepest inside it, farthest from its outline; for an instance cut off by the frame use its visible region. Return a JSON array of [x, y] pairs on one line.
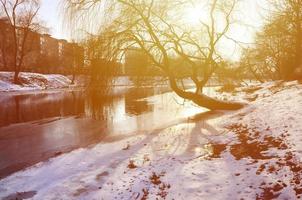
[[196, 15]]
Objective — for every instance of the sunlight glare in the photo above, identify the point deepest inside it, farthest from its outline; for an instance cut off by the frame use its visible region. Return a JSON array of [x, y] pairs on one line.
[[196, 15]]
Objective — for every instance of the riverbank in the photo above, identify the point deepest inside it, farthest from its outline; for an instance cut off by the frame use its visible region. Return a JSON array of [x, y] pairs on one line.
[[253, 153], [32, 81], [43, 82]]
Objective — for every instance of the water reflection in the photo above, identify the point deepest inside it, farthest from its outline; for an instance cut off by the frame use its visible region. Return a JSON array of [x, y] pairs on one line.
[[97, 105], [92, 104], [32, 107], [135, 102]]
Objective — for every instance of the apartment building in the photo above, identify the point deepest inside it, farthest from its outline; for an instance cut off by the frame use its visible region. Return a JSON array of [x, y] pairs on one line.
[[42, 53]]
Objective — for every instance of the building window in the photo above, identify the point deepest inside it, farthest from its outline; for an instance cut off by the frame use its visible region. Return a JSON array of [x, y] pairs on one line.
[[42, 44], [61, 46]]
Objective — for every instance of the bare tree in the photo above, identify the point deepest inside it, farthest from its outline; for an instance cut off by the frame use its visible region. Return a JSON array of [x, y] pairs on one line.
[[4, 46], [278, 46], [290, 11], [100, 59], [158, 28], [21, 15]]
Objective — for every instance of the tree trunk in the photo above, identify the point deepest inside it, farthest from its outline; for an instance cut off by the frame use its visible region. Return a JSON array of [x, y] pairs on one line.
[[203, 100], [298, 44], [16, 76], [73, 78]]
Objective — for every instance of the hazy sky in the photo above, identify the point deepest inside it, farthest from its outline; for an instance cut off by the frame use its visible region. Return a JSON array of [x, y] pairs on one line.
[[50, 14], [250, 14]]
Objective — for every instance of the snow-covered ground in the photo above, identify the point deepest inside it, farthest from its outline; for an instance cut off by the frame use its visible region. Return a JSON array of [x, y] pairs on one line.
[[253, 153], [35, 81], [32, 81]]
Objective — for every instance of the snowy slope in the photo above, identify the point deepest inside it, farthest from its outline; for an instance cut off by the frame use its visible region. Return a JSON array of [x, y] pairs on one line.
[[252, 153], [32, 81]]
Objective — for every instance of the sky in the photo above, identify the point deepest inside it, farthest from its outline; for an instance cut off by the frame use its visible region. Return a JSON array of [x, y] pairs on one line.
[[49, 13], [250, 13]]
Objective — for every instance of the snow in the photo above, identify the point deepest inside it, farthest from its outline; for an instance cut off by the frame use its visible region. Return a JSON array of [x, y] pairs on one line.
[[36, 81], [251, 153], [32, 81]]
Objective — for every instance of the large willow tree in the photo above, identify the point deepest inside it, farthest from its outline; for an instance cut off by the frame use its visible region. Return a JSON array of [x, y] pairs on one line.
[[164, 32]]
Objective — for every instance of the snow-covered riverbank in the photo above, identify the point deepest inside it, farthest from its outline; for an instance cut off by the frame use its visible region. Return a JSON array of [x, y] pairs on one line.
[[33, 81], [38, 82], [252, 153]]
